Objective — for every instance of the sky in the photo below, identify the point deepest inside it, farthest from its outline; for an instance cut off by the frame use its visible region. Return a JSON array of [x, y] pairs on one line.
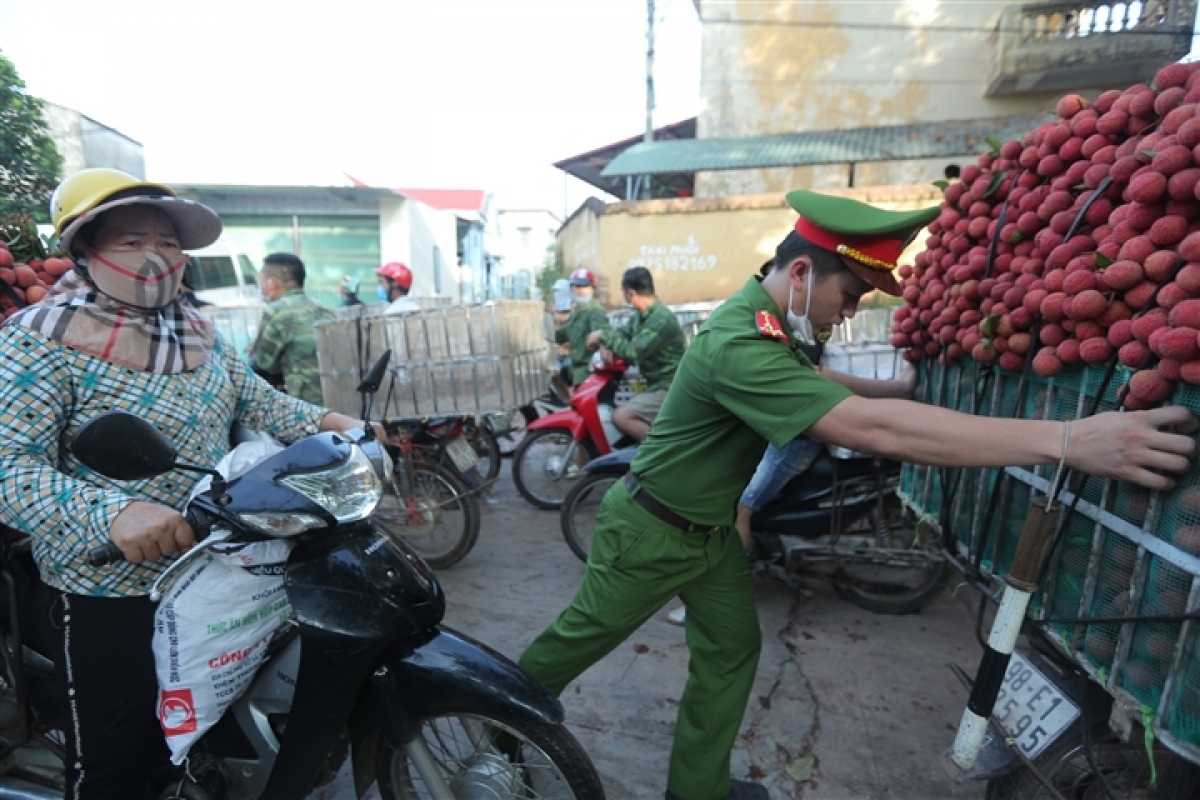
[[418, 93]]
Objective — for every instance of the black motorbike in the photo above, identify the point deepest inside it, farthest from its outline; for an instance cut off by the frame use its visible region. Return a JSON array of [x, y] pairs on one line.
[[363, 670], [839, 519]]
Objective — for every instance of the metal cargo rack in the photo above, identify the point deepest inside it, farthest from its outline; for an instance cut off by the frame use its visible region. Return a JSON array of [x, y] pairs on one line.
[[1125, 551], [452, 360]]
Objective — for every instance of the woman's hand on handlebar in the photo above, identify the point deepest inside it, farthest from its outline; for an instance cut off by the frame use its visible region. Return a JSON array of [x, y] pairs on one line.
[[149, 531], [334, 421]]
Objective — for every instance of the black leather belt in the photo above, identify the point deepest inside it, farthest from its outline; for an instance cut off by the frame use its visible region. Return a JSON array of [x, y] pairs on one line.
[[658, 510]]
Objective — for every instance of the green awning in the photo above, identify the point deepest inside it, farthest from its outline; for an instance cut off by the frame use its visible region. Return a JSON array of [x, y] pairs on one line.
[[946, 139]]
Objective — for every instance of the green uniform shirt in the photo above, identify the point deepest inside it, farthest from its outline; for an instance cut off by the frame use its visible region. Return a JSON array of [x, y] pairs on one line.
[[583, 320], [287, 344], [734, 389], [654, 340]]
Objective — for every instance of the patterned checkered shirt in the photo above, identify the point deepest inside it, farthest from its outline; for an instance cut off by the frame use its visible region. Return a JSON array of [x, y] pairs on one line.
[[48, 391]]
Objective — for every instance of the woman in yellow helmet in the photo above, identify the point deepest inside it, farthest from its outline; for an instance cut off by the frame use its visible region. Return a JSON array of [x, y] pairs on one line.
[[112, 335]]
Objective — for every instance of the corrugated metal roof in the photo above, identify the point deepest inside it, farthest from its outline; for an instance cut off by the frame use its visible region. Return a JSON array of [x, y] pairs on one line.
[[890, 143]]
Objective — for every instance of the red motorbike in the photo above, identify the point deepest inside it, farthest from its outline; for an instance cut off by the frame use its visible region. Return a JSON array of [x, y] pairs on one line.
[[557, 446]]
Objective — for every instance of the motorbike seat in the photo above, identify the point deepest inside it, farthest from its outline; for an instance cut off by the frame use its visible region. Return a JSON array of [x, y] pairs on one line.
[[394, 423]]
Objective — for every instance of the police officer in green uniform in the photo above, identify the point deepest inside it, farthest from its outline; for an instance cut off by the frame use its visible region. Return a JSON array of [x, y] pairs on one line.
[[651, 338], [286, 347], [587, 316], [667, 529]]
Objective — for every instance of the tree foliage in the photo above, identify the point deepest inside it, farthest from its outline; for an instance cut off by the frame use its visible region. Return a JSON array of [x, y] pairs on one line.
[[29, 162], [553, 269]]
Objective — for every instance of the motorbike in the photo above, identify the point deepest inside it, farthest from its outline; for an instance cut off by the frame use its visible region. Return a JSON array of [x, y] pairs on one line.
[[556, 447], [362, 671], [1084, 758], [432, 501], [839, 520]]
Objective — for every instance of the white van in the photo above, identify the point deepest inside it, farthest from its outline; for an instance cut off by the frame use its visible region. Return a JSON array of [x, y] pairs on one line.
[[223, 276]]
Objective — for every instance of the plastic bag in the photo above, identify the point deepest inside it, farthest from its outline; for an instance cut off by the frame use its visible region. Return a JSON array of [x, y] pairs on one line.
[[212, 628]]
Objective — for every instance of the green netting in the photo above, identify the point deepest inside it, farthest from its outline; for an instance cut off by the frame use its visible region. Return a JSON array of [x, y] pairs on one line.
[[1183, 719], [1180, 521], [1065, 588], [1153, 646], [909, 481], [1110, 598]]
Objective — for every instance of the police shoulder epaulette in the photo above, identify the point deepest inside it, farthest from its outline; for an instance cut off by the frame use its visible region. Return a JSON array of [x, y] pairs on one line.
[[768, 326]]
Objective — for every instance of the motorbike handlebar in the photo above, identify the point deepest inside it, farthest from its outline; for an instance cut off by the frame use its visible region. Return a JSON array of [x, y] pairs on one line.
[[109, 553]]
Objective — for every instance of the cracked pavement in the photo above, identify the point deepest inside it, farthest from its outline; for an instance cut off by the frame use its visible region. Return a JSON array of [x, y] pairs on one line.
[[869, 698]]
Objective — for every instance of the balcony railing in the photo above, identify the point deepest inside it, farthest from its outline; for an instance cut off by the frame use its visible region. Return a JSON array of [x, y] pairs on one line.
[[1057, 46]]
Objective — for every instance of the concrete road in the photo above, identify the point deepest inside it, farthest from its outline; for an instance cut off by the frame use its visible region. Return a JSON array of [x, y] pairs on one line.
[[848, 705]]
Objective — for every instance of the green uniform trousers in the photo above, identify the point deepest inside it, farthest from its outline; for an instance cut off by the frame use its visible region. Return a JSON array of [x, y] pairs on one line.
[[637, 564]]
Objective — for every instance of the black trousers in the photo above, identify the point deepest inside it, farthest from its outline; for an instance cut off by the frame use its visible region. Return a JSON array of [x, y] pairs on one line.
[[115, 745]]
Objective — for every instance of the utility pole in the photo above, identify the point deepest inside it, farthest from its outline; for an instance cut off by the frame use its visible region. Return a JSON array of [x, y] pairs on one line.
[[649, 71]]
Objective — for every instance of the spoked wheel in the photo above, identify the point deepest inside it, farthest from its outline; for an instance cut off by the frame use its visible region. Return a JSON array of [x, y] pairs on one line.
[[909, 581], [509, 439], [438, 517], [470, 756], [485, 446], [579, 510], [1113, 769], [546, 466]]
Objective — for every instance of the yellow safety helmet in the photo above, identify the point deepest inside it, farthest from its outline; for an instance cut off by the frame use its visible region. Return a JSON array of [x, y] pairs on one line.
[[82, 197]]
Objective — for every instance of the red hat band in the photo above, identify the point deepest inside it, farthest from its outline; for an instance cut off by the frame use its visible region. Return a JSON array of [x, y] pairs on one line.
[[876, 252]]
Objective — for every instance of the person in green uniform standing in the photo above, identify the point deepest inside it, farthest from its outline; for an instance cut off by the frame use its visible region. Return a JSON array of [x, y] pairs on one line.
[[667, 529], [651, 338], [286, 344], [587, 316]]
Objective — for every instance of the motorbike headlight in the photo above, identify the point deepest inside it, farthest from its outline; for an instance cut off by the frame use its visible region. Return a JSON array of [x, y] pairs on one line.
[[381, 460], [349, 491], [279, 524]]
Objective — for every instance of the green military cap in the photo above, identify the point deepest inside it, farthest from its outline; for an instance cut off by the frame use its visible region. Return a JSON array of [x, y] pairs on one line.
[[869, 239]]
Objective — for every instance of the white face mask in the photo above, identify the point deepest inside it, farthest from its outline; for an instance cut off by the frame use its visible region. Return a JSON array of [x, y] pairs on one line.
[[801, 325]]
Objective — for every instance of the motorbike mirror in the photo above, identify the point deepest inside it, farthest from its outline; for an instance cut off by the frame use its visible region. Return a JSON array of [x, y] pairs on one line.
[[374, 378], [124, 447]]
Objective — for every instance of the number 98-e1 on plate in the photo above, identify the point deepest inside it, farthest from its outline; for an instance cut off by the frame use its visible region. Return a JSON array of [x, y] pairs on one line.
[[1031, 709]]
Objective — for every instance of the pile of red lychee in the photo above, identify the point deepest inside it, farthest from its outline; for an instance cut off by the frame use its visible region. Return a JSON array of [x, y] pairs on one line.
[[1067, 236], [26, 283]]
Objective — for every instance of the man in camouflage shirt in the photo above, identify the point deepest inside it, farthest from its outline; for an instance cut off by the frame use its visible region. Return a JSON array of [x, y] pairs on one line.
[[286, 349], [588, 316], [653, 339]]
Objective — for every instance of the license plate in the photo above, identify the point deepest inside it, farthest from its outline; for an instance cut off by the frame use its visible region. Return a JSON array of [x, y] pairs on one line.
[[1031, 709], [461, 454]]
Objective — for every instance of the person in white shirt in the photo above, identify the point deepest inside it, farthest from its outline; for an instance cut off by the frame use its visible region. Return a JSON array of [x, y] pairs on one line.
[[395, 279]]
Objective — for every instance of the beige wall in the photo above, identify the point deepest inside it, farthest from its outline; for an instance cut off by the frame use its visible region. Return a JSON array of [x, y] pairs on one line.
[[825, 177], [698, 249], [819, 74]]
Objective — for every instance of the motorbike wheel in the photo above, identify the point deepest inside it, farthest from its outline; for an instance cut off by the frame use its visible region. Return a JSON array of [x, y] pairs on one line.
[[439, 519], [578, 515], [542, 761], [893, 532], [1124, 771], [537, 460], [485, 446]]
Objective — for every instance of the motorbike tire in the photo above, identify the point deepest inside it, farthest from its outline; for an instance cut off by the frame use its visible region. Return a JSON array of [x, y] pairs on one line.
[[525, 475], [486, 447], [885, 598], [579, 509], [552, 745], [1125, 767], [436, 485]]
